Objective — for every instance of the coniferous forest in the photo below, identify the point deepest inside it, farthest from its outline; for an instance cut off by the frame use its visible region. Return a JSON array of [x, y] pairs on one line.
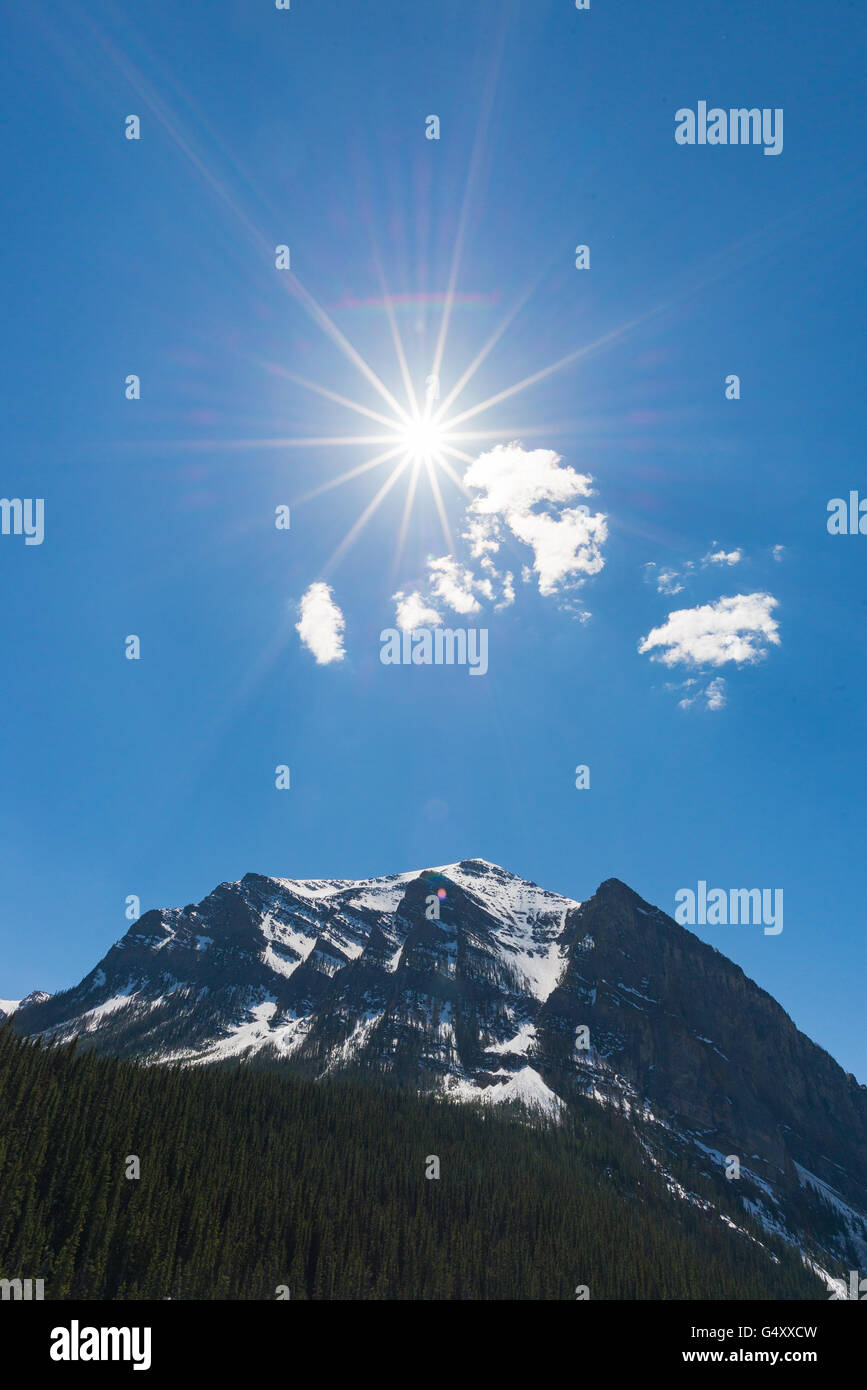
[[255, 1184]]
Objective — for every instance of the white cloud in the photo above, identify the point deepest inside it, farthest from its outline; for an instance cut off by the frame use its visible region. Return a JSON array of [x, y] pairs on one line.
[[720, 557], [482, 538], [778, 552], [526, 493], [564, 547], [413, 613], [732, 629], [667, 582], [454, 585], [716, 694], [320, 624], [508, 595], [520, 495]]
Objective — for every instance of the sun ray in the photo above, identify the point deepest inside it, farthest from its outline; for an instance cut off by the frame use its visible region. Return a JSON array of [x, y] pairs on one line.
[[417, 434], [328, 394], [438, 498], [507, 432], [351, 473], [453, 277], [472, 176], [485, 352], [589, 348], [443, 463], [296, 442], [456, 454], [407, 512], [291, 283], [362, 521], [428, 440], [287, 278], [397, 341]]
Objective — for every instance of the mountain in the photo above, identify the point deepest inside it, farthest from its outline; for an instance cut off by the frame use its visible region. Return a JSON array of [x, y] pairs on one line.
[[255, 1183], [10, 1006], [478, 984]]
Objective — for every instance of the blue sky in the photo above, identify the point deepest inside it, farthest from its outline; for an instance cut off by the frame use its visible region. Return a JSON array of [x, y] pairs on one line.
[[156, 257]]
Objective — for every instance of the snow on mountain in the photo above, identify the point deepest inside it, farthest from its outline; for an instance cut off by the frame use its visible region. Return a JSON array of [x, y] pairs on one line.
[[10, 1006], [472, 981], [525, 1086], [530, 919]]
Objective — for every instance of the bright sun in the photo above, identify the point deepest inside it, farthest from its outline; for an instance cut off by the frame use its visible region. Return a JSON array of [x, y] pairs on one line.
[[422, 435], [423, 439]]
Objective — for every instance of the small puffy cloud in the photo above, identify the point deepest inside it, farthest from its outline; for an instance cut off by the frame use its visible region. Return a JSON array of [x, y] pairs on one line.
[[320, 624], [564, 546], [778, 552], [732, 629], [413, 613], [526, 493], [512, 480], [721, 557], [453, 584], [515, 495]]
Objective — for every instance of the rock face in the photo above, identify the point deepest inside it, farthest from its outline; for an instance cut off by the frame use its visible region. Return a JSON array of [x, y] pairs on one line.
[[478, 983]]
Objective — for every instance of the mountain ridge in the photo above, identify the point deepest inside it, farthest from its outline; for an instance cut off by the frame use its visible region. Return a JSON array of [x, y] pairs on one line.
[[8, 1007], [469, 980]]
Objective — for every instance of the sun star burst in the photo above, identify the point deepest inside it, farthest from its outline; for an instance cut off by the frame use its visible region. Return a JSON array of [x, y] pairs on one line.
[[423, 438]]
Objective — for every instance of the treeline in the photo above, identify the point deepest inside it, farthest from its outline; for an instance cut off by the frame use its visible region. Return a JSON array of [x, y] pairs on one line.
[[252, 1179]]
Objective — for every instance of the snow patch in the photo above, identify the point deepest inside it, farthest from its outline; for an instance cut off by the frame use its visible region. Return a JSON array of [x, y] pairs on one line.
[[519, 1044], [525, 1086]]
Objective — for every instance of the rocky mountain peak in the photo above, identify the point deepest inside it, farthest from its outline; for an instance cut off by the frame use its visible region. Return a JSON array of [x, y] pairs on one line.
[[468, 979]]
